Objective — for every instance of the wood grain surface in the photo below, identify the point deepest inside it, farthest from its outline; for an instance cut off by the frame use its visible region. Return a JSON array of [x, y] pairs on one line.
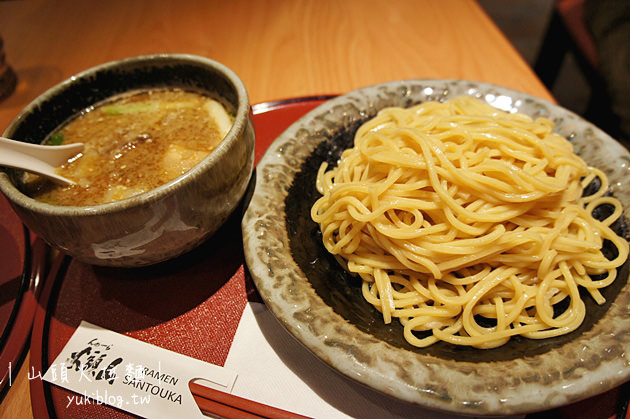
[[279, 48]]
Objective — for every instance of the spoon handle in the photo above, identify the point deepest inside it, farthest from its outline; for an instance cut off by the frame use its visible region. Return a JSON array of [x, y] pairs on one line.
[[55, 155], [38, 159]]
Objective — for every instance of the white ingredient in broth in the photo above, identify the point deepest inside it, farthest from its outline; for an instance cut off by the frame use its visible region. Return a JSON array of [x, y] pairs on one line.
[[134, 144]]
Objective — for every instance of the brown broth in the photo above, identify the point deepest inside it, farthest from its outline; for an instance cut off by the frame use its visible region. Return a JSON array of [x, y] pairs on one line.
[[134, 144]]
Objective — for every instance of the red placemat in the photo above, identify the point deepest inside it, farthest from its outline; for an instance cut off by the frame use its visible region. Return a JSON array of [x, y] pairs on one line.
[[12, 259], [19, 279], [190, 305]]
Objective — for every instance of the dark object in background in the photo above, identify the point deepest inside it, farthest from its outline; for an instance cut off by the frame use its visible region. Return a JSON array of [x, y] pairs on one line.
[[8, 78], [596, 32], [608, 21]]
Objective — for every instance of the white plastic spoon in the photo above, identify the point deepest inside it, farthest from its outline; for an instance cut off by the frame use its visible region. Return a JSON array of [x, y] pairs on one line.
[[38, 159]]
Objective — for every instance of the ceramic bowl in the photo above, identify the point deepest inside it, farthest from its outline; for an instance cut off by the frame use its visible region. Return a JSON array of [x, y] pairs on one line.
[[322, 305], [161, 223]]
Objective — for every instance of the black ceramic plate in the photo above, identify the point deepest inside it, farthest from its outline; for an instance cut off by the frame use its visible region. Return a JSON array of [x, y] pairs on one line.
[[322, 306]]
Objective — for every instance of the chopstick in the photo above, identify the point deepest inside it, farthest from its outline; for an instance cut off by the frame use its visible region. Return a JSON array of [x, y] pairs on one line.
[[229, 406]]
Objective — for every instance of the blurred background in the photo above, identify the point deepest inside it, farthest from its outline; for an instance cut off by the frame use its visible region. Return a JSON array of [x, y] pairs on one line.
[[552, 37], [525, 24]]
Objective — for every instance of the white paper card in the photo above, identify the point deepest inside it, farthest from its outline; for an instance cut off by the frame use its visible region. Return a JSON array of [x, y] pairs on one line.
[[109, 368], [283, 366]]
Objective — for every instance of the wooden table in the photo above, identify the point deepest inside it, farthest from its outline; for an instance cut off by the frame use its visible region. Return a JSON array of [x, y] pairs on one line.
[[279, 48]]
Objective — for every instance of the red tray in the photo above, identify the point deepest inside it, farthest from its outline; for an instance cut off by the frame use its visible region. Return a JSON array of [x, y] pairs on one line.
[[190, 305], [21, 258]]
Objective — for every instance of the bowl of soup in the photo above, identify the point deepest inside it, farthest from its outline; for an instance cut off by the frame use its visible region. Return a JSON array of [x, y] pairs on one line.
[[169, 152]]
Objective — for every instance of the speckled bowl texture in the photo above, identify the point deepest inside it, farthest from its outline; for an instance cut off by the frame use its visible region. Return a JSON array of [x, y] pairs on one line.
[[322, 306], [166, 221]]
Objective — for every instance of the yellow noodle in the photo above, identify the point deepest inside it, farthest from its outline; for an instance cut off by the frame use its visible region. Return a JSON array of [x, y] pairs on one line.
[[454, 212]]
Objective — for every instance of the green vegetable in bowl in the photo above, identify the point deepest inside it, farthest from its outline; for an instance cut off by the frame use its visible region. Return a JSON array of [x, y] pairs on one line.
[[56, 138], [129, 108]]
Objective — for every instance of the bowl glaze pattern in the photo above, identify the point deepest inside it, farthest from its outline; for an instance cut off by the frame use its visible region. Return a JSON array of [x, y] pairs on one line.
[[166, 221], [321, 305]]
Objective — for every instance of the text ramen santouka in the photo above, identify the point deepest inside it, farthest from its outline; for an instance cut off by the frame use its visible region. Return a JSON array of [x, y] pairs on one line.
[[133, 143], [469, 224]]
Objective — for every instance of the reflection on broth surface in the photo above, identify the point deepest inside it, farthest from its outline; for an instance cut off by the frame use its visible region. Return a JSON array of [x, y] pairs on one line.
[[133, 144]]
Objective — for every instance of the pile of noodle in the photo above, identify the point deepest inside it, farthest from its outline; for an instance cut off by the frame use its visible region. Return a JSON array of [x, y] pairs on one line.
[[468, 224]]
